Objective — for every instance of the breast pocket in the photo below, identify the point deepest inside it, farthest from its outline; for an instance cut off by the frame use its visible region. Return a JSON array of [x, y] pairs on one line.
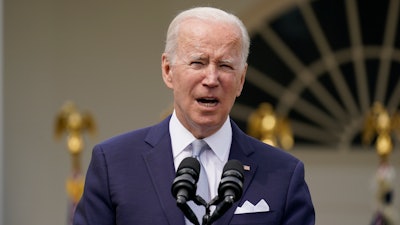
[[264, 218]]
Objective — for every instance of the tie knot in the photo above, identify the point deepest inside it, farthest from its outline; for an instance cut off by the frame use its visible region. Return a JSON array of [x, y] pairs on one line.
[[198, 146]]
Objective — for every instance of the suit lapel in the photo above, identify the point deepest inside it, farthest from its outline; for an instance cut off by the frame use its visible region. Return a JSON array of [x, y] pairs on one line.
[[159, 161]]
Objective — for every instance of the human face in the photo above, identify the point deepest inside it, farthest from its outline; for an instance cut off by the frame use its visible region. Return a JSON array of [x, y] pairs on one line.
[[206, 74]]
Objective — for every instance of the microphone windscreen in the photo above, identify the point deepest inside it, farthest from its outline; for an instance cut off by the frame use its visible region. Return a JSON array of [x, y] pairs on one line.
[[233, 165], [187, 175], [191, 163]]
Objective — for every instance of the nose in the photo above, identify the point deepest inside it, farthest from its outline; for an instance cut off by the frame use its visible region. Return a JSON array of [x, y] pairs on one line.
[[211, 78]]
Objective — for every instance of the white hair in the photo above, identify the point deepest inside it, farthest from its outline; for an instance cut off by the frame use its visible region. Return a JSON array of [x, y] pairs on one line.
[[206, 14]]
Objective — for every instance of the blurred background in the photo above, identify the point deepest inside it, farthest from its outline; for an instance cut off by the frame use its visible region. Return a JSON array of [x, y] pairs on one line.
[[319, 66]]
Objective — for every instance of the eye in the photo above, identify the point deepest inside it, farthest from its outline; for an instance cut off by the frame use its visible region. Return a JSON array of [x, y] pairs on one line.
[[196, 64], [226, 66]]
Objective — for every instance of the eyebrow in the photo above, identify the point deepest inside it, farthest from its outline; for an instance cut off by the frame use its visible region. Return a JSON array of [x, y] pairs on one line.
[[227, 61], [204, 57], [197, 57]]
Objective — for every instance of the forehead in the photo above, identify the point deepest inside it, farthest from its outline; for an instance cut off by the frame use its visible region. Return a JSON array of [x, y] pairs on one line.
[[212, 36]]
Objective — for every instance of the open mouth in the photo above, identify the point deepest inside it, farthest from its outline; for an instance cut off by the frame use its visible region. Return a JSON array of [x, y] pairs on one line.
[[208, 101]]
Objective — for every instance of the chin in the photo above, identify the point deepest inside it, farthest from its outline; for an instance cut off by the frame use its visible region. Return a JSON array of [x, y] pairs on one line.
[[209, 121]]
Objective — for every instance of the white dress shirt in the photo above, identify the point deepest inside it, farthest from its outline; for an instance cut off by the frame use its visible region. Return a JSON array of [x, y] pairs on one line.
[[213, 161]]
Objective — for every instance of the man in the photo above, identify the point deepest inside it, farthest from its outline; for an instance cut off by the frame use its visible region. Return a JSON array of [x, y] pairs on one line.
[[130, 176]]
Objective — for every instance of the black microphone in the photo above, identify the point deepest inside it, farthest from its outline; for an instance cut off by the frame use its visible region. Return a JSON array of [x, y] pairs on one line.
[[184, 186], [230, 188]]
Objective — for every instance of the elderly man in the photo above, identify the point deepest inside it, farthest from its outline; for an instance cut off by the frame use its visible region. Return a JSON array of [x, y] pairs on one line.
[[130, 176]]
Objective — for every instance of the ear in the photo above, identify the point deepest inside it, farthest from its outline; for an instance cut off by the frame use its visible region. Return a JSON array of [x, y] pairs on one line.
[[166, 70], [241, 82]]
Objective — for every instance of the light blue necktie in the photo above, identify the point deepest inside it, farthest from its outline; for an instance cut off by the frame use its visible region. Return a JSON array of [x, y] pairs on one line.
[[203, 190]]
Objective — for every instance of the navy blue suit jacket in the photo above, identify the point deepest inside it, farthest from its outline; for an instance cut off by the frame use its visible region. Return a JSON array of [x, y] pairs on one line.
[[129, 180]]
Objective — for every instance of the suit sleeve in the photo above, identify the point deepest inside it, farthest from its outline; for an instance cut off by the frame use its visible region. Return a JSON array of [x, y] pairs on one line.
[[95, 207], [299, 208]]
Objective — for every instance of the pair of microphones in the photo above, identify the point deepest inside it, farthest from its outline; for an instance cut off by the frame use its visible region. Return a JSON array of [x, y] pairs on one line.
[[184, 188]]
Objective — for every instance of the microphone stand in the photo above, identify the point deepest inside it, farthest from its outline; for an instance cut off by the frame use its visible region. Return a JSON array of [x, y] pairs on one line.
[[222, 206], [188, 212], [200, 201]]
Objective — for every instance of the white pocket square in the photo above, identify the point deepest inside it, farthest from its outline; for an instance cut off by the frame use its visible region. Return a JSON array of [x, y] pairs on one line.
[[248, 207]]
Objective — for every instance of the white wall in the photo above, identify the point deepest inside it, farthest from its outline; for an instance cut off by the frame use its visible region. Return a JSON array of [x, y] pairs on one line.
[[105, 55]]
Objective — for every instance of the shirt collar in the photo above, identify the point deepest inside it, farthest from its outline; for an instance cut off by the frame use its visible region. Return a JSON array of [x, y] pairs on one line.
[[219, 142]]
